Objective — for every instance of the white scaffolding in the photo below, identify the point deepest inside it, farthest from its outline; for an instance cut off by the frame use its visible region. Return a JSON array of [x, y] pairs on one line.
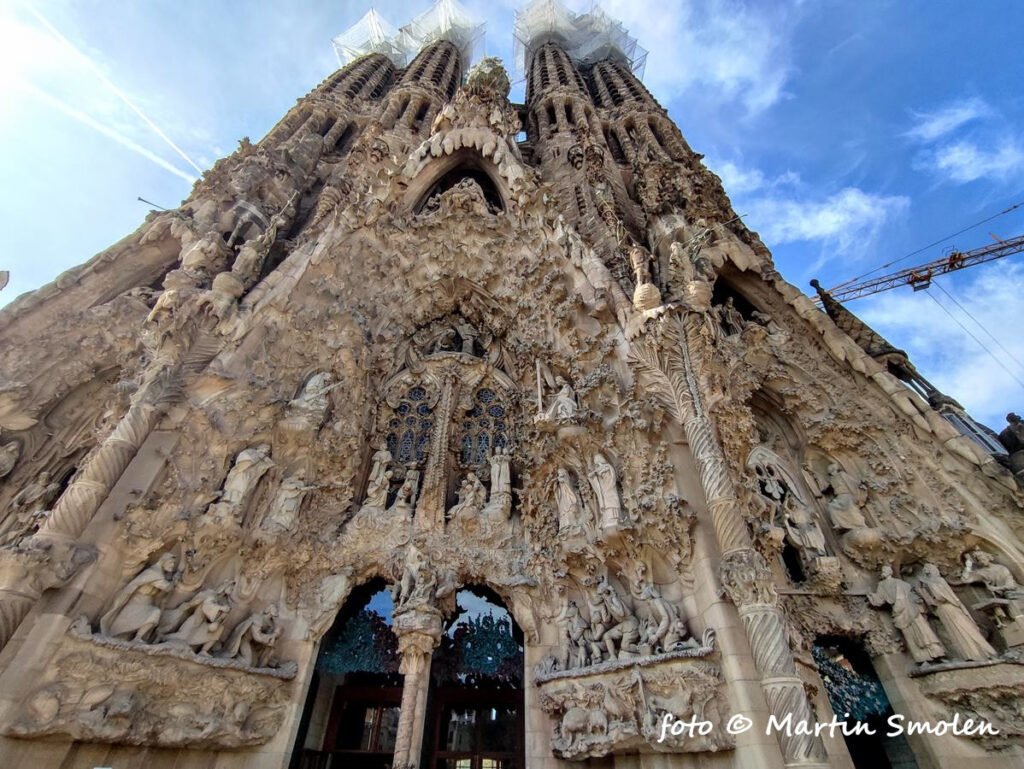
[[585, 37], [445, 20]]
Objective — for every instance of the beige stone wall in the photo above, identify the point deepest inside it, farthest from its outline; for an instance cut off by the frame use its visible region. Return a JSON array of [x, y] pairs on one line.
[[676, 418]]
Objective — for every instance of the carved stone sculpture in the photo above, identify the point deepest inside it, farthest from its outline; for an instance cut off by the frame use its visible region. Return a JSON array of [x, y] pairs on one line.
[[563, 405], [253, 639], [250, 465], [980, 566], [310, 405], [199, 621], [471, 498], [377, 491], [802, 529], [28, 509], [729, 318], [922, 643], [605, 484], [137, 609], [965, 639], [286, 504], [847, 497], [1012, 437], [567, 500]]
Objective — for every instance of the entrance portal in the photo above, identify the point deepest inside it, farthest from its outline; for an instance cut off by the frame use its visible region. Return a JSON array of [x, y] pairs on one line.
[[474, 715]]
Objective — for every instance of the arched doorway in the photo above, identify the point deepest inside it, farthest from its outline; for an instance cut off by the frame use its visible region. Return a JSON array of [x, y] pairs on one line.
[[351, 714], [475, 708], [475, 715]]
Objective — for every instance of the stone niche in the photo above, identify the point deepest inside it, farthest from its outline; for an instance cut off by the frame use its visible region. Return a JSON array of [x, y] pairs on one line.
[[618, 707], [100, 690]]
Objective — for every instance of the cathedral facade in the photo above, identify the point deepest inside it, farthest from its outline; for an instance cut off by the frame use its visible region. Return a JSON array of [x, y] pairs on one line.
[[439, 431]]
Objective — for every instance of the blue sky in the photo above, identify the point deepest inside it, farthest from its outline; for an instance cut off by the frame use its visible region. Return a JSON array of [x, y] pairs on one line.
[[848, 133]]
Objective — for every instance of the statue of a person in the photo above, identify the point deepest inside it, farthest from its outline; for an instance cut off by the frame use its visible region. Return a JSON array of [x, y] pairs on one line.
[[472, 495], [501, 480], [563, 405], [847, 496], [573, 627], [802, 529], [1012, 437], [922, 643], [967, 641], [377, 491], [249, 467], [380, 461], [136, 610], [667, 630], [605, 485], [729, 317], [406, 495], [253, 639], [200, 619], [980, 566], [625, 628], [418, 585], [311, 404], [287, 502], [567, 499]]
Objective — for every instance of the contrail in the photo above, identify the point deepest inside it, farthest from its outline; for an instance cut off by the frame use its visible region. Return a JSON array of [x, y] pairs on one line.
[[124, 141], [113, 88]]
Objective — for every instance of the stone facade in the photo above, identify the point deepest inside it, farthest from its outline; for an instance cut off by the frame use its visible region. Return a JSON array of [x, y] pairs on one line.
[[392, 341]]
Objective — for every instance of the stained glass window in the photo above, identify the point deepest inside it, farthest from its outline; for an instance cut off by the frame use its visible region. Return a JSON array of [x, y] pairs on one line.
[[484, 428], [409, 427]]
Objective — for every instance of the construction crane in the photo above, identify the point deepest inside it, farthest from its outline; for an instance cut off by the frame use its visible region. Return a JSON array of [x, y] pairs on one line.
[[920, 277]]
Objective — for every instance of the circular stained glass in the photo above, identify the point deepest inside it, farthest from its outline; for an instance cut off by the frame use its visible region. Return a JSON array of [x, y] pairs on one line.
[[422, 409], [394, 422], [496, 411], [485, 423], [417, 394], [410, 420], [485, 396], [403, 408]]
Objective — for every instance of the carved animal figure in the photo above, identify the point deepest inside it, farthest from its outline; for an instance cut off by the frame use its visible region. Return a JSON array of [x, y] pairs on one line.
[[582, 722]]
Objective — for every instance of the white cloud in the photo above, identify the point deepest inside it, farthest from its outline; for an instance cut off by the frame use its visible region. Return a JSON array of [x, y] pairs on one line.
[[933, 125], [847, 221], [945, 353], [728, 50], [965, 161], [738, 181]]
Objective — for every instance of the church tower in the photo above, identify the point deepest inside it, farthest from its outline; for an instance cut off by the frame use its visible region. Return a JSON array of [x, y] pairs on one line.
[[434, 430]]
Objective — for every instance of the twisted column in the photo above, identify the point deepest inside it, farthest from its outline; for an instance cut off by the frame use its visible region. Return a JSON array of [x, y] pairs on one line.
[[667, 352]]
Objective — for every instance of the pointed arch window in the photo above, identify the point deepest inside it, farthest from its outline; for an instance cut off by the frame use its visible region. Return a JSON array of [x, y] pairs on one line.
[[484, 428], [410, 426]]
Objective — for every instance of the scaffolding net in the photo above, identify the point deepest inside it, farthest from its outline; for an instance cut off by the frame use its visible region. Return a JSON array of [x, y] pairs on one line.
[[445, 20], [586, 37]]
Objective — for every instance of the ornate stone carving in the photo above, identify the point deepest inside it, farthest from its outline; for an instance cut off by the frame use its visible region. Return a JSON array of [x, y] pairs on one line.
[[907, 615], [965, 640], [600, 713]]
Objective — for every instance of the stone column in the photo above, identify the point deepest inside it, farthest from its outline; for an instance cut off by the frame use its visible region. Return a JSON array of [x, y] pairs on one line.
[[418, 631], [670, 353], [430, 507]]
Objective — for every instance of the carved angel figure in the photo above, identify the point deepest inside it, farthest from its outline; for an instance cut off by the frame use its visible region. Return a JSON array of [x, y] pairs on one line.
[[252, 641], [563, 404], [922, 643], [844, 507], [311, 404], [136, 608]]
